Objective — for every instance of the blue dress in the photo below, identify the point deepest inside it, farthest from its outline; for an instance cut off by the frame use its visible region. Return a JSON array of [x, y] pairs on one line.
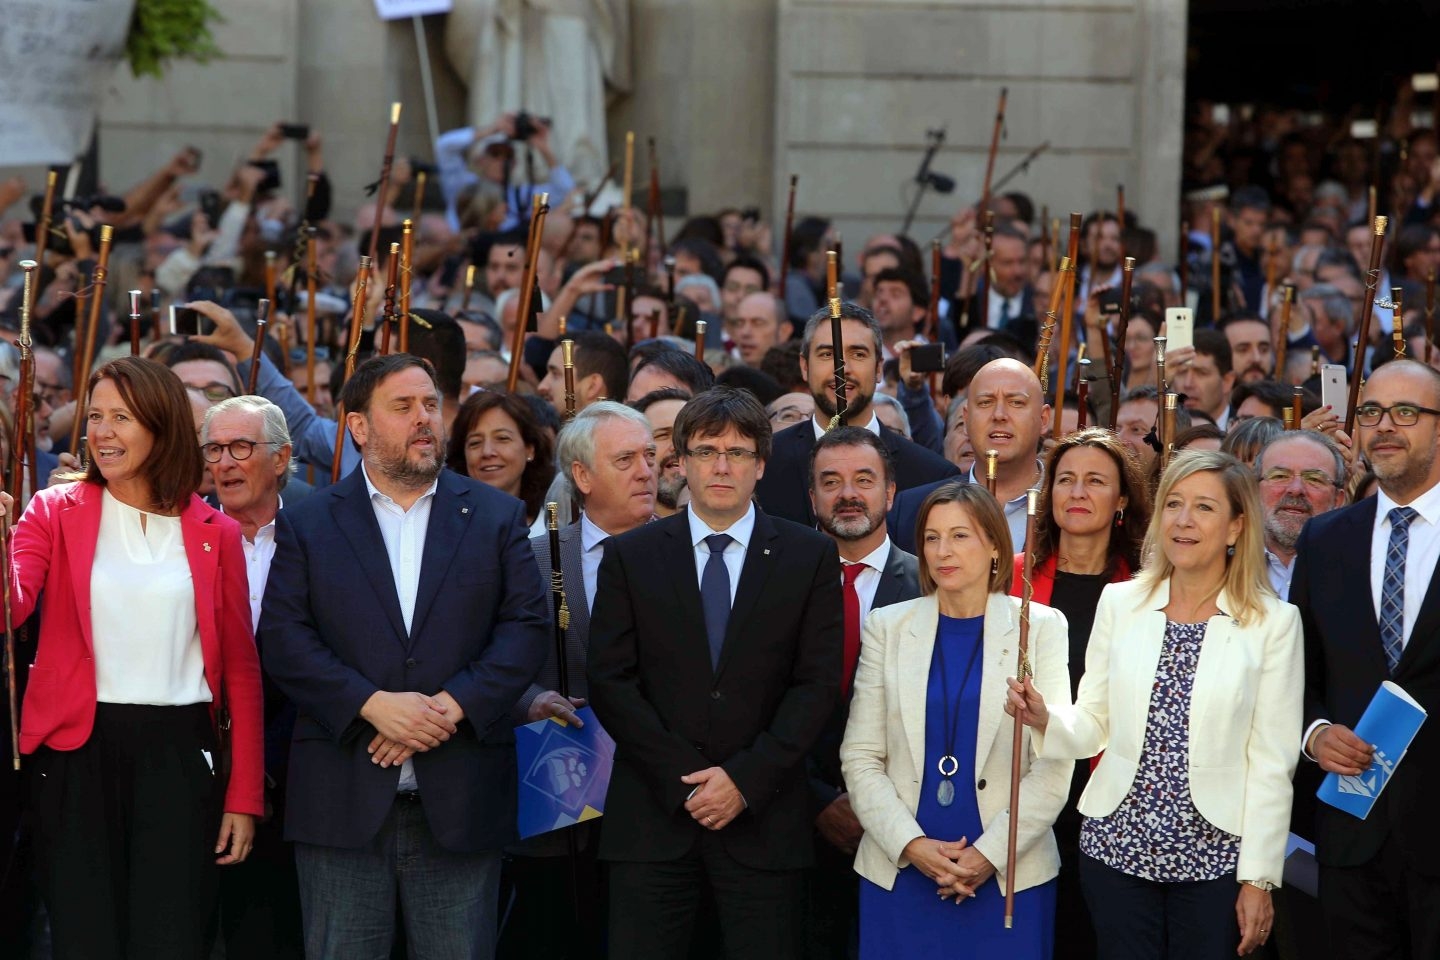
[[911, 920]]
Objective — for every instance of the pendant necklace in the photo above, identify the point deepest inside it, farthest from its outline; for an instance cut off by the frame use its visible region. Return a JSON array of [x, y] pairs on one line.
[[948, 765]]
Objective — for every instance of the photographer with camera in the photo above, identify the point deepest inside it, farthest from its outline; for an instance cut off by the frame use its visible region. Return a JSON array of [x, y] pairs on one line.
[[486, 158]]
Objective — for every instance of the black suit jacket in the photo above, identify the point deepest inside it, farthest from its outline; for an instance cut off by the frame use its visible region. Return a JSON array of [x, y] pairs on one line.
[[1345, 664], [1025, 327], [906, 510], [671, 714], [900, 580], [784, 491]]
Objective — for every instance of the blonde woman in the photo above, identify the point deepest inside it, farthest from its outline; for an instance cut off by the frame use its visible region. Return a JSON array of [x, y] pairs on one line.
[[1193, 687]]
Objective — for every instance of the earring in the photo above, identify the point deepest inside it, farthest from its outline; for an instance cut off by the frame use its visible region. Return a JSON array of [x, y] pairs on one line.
[[994, 565], [1120, 517], [1230, 550], [529, 459]]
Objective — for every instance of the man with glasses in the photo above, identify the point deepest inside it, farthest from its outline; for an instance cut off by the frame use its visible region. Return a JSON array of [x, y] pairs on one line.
[[1302, 475], [1378, 886], [714, 663]]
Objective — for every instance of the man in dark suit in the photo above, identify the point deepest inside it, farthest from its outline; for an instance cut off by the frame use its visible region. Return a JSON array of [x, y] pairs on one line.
[[607, 456], [404, 617], [715, 653], [852, 483], [783, 489], [1011, 298], [1379, 877], [1005, 412]]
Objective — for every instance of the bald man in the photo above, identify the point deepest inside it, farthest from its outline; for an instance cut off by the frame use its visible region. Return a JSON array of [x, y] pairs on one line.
[[1005, 411]]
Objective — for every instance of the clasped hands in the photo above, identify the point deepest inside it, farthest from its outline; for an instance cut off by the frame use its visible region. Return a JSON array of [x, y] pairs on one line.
[[408, 723], [715, 801], [957, 868]]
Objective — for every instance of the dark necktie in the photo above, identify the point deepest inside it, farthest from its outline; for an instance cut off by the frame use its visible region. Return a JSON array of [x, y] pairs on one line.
[[715, 594], [851, 602], [1392, 587]]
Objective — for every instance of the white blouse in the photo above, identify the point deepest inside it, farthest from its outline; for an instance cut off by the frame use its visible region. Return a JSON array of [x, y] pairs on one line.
[[142, 609]]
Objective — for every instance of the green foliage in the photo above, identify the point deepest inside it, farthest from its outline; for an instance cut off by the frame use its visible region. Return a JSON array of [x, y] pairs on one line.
[[165, 30]]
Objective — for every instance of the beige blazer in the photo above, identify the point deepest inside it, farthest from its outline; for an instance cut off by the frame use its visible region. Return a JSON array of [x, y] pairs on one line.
[[883, 755], [1245, 716]]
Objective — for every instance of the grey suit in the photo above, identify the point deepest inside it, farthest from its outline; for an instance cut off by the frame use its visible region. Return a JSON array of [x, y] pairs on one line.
[[577, 636]]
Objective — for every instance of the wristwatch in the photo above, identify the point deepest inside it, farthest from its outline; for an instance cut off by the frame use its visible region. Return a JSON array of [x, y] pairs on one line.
[[1265, 885]]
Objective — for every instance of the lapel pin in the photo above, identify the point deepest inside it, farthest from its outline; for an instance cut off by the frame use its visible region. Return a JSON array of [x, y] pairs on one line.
[[206, 546], [464, 509], [767, 551]]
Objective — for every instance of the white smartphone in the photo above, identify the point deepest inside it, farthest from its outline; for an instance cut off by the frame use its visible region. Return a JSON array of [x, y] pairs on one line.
[[1334, 391], [1179, 328]]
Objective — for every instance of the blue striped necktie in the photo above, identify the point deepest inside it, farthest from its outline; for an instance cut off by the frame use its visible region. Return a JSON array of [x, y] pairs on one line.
[[1392, 587]]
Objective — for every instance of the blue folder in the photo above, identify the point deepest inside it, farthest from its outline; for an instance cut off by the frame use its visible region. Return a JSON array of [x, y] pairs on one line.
[[1390, 723], [564, 772]]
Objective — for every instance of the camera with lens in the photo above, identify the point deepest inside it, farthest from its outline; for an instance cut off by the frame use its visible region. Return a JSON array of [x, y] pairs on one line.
[[527, 126]]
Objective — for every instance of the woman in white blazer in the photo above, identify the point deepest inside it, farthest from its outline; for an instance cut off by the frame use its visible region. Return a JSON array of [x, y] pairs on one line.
[[1193, 687], [927, 751]]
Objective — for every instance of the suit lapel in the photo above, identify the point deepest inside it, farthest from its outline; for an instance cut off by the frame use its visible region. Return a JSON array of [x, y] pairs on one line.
[[1000, 655], [913, 666], [202, 550], [887, 591], [760, 559], [355, 518], [80, 525], [572, 564], [1354, 570], [679, 559], [450, 515]]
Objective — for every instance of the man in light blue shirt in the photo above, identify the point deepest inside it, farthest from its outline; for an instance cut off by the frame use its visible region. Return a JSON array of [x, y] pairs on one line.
[[487, 157], [1301, 473]]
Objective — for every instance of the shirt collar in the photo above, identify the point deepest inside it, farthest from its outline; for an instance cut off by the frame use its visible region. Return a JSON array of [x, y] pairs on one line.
[[1427, 505], [877, 558], [591, 536], [1039, 470], [1274, 560], [741, 530], [268, 530], [873, 426], [375, 491]]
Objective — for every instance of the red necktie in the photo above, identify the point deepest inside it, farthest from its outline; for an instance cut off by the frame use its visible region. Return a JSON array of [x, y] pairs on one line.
[[852, 623]]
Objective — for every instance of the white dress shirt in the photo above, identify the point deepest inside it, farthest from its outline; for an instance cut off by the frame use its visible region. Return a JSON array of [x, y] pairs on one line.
[[868, 580], [1280, 573], [404, 534], [740, 532], [1420, 558], [1004, 309], [592, 551], [142, 611], [821, 426], [258, 555], [1017, 510]]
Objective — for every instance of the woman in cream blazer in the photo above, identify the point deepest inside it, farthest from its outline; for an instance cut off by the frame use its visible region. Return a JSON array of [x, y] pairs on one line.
[[1193, 689], [894, 745]]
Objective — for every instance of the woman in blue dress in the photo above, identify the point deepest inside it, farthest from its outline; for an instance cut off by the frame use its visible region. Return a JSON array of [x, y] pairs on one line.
[[927, 751]]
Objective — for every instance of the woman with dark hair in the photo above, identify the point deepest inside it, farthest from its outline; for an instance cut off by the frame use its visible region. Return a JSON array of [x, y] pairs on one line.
[[927, 758], [1090, 521], [145, 648], [497, 440]]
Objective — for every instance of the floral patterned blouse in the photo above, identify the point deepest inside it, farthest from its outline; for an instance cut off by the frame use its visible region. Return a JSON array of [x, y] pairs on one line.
[[1156, 833]]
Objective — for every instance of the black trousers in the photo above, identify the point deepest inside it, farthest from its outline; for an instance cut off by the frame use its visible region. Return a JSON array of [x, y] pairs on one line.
[[260, 899], [1139, 919], [555, 907], [125, 831], [1381, 910], [653, 906], [832, 905]]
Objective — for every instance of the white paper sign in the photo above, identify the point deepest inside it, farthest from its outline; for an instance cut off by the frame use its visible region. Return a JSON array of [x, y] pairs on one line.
[[58, 56], [404, 9]]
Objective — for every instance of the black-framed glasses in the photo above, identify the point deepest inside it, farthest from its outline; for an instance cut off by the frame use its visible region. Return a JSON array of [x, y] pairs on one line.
[[711, 454], [1401, 414], [239, 449]]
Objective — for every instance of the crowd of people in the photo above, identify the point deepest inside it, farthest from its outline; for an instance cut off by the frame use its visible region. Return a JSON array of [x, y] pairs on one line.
[[268, 714]]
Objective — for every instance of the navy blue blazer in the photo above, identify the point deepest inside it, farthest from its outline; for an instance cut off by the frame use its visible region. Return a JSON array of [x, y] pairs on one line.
[[906, 510], [333, 634]]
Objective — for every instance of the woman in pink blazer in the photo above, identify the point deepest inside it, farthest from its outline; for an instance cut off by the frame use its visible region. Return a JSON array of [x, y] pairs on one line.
[[144, 636]]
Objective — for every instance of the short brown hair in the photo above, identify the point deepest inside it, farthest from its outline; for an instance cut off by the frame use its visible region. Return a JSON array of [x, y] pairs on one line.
[[988, 517], [157, 399], [713, 411]]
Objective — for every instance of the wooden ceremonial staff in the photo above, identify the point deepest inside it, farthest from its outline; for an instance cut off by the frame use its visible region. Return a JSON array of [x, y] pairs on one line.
[[1397, 332], [387, 311], [419, 203], [270, 279], [1052, 320], [1167, 422], [135, 315], [407, 256], [1282, 336], [984, 291], [1160, 385], [622, 293], [1297, 406], [700, 340], [837, 343], [92, 326], [1372, 280], [11, 693], [1022, 673], [357, 323], [22, 442], [1215, 265], [262, 317], [990, 159], [469, 288], [561, 620], [1082, 391], [1117, 359], [992, 464], [789, 230], [540, 207], [1272, 267], [567, 354], [42, 231], [384, 189]]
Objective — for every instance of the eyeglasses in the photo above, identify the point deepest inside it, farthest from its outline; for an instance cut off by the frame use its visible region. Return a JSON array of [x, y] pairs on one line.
[[1401, 414], [735, 454], [239, 449], [215, 391], [1317, 480]]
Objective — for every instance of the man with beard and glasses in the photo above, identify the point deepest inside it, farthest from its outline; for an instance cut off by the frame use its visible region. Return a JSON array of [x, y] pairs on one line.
[[1302, 475], [852, 483], [404, 617], [660, 408], [1364, 584], [783, 490]]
